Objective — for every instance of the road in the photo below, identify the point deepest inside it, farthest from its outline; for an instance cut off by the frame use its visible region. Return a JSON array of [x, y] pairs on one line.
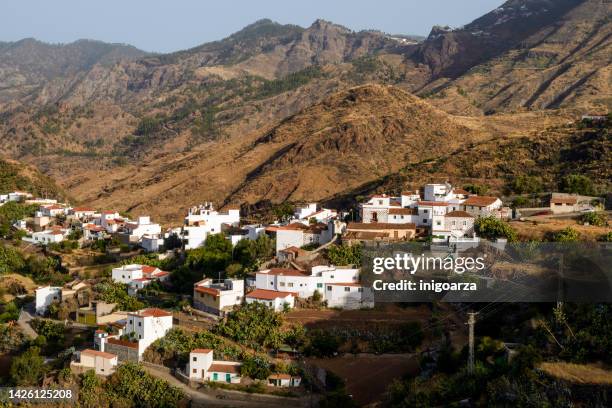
[[209, 398]]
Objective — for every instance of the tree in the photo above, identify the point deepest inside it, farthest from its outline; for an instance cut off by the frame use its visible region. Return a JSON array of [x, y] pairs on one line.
[[344, 254], [283, 211], [491, 227], [478, 189], [28, 368], [566, 235], [577, 184], [255, 367], [254, 325], [526, 185]]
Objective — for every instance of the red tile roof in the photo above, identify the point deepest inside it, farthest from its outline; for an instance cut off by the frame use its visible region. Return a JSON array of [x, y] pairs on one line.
[[279, 376], [202, 350], [209, 291], [148, 269], [224, 368], [123, 343], [480, 201], [152, 312], [83, 209], [266, 294]]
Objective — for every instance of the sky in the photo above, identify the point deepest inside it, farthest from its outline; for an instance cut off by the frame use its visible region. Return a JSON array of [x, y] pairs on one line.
[[172, 25]]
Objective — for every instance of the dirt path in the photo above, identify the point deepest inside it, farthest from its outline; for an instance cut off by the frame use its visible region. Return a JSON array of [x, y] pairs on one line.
[[217, 398]]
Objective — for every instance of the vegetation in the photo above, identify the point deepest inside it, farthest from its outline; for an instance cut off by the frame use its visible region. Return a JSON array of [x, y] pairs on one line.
[[526, 184], [13, 177], [113, 292], [11, 212], [344, 254], [28, 368], [577, 184], [492, 227], [568, 234], [147, 126], [599, 219], [255, 325], [478, 189], [288, 83]]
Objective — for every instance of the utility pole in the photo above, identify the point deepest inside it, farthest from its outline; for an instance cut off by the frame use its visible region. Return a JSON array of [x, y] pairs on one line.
[[471, 321]]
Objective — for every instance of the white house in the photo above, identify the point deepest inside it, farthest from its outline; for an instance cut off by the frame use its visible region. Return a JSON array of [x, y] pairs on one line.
[[52, 210], [202, 367], [102, 363], [376, 209], [19, 196], [309, 211], [110, 221], [431, 214], [459, 223], [47, 237], [138, 276], [152, 243], [274, 299], [482, 206], [299, 234], [302, 283], [203, 220], [92, 232], [284, 380], [218, 297], [46, 296], [147, 325], [82, 213], [141, 227], [349, 295]]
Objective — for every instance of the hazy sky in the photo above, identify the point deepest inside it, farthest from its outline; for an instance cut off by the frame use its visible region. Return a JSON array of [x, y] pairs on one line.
[[170, 25]]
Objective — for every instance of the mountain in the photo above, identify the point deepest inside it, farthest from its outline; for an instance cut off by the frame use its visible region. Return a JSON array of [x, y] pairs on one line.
[[27, 64], [277, 112], [525, 55]]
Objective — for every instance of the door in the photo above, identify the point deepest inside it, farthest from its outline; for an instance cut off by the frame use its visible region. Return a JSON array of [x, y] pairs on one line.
[[228, 378], [215, 377]]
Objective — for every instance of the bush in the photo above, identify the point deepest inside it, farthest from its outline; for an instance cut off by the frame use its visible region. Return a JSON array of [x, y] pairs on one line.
[[344, 254], [28, 368], [478, 189], [598, 219], [577, 184], [566, 235], [526, 185], [492, 227], [254, 325]]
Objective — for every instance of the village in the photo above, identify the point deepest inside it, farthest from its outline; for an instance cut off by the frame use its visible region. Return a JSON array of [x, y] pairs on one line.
[[293, 274]]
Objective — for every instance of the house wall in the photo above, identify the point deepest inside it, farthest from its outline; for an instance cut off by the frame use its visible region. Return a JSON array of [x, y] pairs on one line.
[[199, 362], [277, 304], [348, 297], [289, 238], [47, 296], [123, 353]]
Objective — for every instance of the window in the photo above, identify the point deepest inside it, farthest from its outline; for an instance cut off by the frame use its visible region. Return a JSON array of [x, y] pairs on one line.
[[347, 289], [438, 222], [402, 217], [281, 284], [380, 202], [319, 285], [425, 211], [332, 276], [454, 223], [464, 222], [329, 288], [195, 370], [102, 369], [424, 220], [139, 337], [139, 324], [290, 284], [359, 289], [195, 359]]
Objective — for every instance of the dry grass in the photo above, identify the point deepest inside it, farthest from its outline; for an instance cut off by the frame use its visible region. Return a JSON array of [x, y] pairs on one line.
[[578, 373], [6, 280]]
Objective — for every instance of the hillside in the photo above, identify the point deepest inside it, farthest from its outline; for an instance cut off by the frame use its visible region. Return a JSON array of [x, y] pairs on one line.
[[16, 176], [547, 155], [28, 64], [266, 113], [564, 63]]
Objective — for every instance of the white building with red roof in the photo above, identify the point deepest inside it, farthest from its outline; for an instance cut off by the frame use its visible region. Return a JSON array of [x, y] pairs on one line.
[[202, 367], [145, 326], [274, 299], [138, 276], [298, 234], [50, 236], [482, 206], [203, 220], [102, 363], [218, 297]]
